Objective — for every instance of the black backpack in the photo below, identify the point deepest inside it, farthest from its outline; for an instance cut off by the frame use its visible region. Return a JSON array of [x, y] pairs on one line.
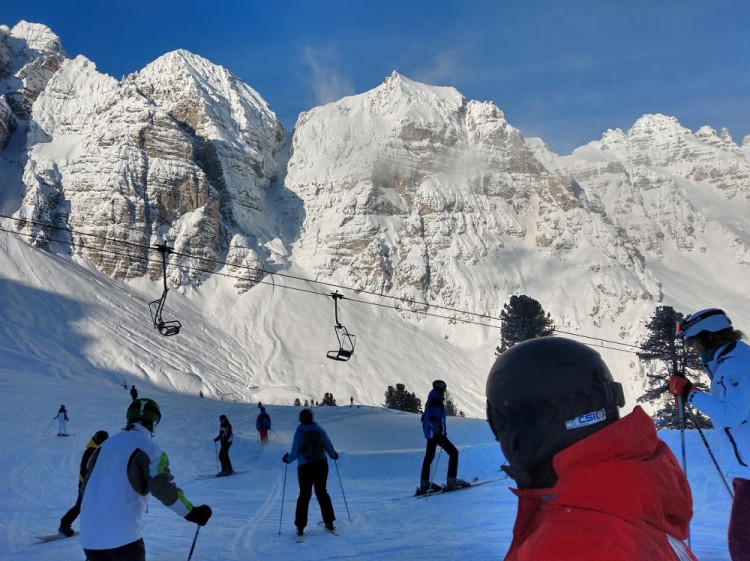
[[312, 445]]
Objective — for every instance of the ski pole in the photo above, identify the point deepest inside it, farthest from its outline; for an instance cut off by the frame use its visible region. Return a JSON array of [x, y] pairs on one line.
[[195, 539], [681, 416], [336, 463], [48, 426], [710, 453], [283, 492], [434, 471]]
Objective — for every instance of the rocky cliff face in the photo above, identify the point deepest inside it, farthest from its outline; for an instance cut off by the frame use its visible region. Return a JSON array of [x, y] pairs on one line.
[[439, 199], [181, 152], [29, 55], [668, 191]]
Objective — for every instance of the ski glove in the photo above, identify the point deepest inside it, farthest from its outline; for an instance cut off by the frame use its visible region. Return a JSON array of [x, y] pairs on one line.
[[680, 387], [335, 456], [199, 515], [285, 459]]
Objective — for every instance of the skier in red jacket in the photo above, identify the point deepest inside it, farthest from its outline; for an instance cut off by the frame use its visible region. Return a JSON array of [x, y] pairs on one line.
[[591, 486]]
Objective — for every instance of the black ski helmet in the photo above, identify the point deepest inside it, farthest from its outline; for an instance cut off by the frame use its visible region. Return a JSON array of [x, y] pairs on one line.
[[100, 436], [439, 386], [543, 395], [306, 417], [144, 411]]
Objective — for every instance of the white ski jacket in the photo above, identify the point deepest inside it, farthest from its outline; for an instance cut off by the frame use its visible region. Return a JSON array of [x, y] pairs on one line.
[[728, 405], [122, 472]]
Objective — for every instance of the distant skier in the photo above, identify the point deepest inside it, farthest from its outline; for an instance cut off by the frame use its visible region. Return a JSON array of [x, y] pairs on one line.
[[62, 421], [69, 517], [125, 384], [434, 428], [225, 437], [590, 485], [309, 448], [133, 392], [122, 473], [263, 424], [351, 401]]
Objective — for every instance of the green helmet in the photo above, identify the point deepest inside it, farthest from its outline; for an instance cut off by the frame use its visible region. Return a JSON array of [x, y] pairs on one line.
[[143, 409]]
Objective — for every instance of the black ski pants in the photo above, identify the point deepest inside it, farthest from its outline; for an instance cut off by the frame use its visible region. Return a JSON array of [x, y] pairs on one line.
[[313, 474], [70, 516], [429, 455], [134, 551], [226, 463]]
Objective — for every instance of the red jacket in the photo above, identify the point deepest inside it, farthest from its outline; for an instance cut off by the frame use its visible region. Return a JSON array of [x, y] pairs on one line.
[[620, 492]]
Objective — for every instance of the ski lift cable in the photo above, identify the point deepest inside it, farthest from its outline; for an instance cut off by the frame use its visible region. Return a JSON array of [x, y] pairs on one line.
[[261, 270], [288, 287], [294, 277]]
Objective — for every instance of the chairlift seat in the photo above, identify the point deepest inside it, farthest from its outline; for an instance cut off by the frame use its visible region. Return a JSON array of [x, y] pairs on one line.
[[346, 344], [168, 328], [342, 355]]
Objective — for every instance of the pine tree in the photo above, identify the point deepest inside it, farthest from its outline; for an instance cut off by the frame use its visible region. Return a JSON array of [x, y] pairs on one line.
[[523, 318], [450, 408], [328, 399], [401, 400], [663, 344]]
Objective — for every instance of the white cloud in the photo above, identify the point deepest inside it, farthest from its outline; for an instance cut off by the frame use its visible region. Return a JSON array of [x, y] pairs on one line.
[[327, 82]]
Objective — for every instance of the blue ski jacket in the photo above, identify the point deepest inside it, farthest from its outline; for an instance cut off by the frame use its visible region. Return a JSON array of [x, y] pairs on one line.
[[433, 419], [326, 448]]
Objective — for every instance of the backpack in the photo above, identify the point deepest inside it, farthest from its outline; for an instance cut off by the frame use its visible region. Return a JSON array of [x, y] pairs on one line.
[[312, 445]]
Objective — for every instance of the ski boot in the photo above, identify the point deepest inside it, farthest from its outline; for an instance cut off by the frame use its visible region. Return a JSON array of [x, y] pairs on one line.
[[455, 483], [428, 487]]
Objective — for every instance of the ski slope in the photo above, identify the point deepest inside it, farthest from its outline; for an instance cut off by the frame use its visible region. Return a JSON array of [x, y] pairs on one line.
[[381, 453]]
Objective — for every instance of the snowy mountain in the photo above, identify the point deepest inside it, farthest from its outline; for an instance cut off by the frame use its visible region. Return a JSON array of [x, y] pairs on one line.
[[425, 209]]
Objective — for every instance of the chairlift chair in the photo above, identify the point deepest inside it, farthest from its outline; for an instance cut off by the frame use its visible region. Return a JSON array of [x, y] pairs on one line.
[[346, 340], [166, 328]]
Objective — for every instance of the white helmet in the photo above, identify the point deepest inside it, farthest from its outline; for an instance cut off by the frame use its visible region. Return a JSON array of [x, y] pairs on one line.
[[710, 319]]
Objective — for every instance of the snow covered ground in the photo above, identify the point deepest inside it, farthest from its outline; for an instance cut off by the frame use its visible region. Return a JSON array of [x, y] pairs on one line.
[[381, 453]]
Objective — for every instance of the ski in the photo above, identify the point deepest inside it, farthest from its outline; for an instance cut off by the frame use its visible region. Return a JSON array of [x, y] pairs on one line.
[[215, 475], [55, 537], [335, 530], [475, 482]]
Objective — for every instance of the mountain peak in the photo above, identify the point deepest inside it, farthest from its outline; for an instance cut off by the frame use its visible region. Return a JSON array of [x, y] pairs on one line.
[[37, 37]]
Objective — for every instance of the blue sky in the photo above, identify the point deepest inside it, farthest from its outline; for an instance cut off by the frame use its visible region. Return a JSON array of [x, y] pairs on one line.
[[563, 71]]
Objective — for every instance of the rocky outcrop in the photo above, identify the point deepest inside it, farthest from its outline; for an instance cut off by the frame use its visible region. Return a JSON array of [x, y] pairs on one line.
[[181, 152]]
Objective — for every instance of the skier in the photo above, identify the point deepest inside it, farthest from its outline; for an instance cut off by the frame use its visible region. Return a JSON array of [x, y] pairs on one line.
[[727, 362], [588, 481], [62, 420], [226, 437], [133, 392], [309, 448], [263, 424], [69, 517], [122, 473], [434, 428]]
